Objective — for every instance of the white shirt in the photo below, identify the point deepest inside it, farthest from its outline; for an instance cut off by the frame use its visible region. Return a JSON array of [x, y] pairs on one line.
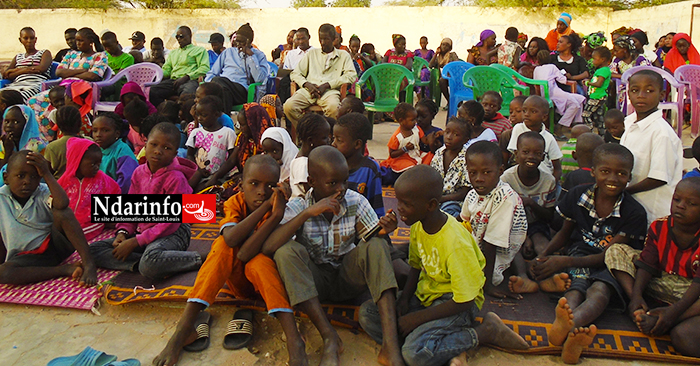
[[551, 148], [147, 54], [658, 154], [128, 49], [292, 58], [298, 175]]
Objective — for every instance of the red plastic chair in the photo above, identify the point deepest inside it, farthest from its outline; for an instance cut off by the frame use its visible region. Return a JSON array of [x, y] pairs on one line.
[[145, 74], [690, 76]]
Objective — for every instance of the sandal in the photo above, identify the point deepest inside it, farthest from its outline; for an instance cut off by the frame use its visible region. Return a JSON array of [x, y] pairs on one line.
[[88, 357], [239, 331], [202, 328]]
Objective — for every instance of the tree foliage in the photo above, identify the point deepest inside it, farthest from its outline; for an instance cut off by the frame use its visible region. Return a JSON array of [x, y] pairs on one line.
[[107, 4], [415, 2], [581, 4], [308, 4], [351, 3]]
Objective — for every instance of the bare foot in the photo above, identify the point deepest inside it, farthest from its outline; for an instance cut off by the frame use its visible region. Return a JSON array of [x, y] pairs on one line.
[[577, 341], [76, 270], [297, 354], [563, 323], [645, 322], [460, 360], [332, 348], [520, 285], [386, 358], [89, 277], [557, 283], [171, 353], [495, 332]]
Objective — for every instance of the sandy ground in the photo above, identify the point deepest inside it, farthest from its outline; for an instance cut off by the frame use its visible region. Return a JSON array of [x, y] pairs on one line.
[[31, 335]]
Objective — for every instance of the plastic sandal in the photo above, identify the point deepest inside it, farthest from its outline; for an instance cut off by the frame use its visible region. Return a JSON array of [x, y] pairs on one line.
[[89, 357], [239, 331], [202, 327]]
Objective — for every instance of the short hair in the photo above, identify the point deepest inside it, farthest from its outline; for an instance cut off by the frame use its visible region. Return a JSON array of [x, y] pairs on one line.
[[694, 181], [658, 79], [543, 57], [487, 148], [357, 125], [69, 120], [531, 135], [512, 34], [542, 103], [586, 143], [170, 110], [424, 180], [615, 115], [402, 110], [116, 121], [325, 157], [308, 124], [603, 151], [464, 125], [156, 41], [423, 38], [261, 160], [166, 128], [27, 29], [603, 52], [494, 94], [137, 55], [11, 97], [305, 31], [109, 36], [327, 29], [430, 104], [356, 104], [185, 28], [70, 31], [519, 98], [475, 110], [213, 102], [366, 47], [185, 109], [136, 108], [57, 89], [15, 157], [696, 149], [210, 88]]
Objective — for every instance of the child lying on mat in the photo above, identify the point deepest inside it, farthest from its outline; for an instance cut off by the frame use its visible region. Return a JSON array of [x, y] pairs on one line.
[[235, 260], [437, 308], [666, 270], [37, 229]]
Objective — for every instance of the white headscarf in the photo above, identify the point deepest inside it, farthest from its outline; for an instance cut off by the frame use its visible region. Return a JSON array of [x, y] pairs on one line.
[[290, 151]]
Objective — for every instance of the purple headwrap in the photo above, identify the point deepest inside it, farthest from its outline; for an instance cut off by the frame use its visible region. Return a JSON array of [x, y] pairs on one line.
[[484, 36]]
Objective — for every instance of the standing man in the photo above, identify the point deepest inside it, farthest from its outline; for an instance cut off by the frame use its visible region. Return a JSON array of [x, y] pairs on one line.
[[182, 69]]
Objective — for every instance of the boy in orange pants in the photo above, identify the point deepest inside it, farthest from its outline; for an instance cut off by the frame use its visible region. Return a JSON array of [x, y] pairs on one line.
[[235, 259]]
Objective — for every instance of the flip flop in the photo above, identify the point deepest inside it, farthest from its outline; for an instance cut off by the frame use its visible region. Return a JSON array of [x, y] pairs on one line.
[[89, 357], [127, 362], [239, 331], [201, 326]]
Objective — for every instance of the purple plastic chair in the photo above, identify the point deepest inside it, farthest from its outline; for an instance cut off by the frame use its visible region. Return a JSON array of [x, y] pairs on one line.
[[48, 84], [670, 80], [690, 76], [145, 74]]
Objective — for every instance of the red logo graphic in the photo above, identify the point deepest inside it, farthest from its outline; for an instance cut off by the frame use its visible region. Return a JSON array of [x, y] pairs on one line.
[[198, 208]]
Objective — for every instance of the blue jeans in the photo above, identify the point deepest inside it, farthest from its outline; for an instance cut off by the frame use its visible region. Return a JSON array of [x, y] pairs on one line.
[[162, 258], [452, 208], [431, 343]]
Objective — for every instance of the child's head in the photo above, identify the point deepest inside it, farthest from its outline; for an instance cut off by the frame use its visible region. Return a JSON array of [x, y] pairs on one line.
[[149, 122], [612, 169], [484, 166], [512, 34], [184, 114], [57, 96], [368, 48], [535, 112], [491, 101], [135, 112], [601, 57], [107, 128], [405, 115], [516, 109], [585, 145], [543, 57], [354, 44], [696, 149], [351, 104], [645, 91], [351, 133], [157, 48], [685, 206], [205, 89], [90, 163], [426, 110], [423, 42], [69, 120], [615, 122], [110, 43], [313, 130], [260, 176], [457, 133], [472, 112], [10, 97], [21, 177], [579, 130], [208, 112], [328, 172], [170, 110], [418, 192], [162, 144], [530, 150], [13, 123]]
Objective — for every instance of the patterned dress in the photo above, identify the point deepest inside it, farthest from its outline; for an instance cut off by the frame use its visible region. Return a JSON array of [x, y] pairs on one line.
[[28, 84]]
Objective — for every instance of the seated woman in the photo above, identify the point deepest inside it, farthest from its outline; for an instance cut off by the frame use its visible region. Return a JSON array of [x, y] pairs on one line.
[[27, 70], [486, 51], [443, 55], [563, 29], [567, 59], [536, 45], [399, 54], [427, 55], [682, 53]]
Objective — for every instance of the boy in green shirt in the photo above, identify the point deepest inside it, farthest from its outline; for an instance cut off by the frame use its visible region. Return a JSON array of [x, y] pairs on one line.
[[594, 110], [117, 60]]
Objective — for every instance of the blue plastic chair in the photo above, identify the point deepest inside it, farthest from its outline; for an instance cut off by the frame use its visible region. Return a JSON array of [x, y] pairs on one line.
[[454, 73], [52, 75], [271, 88]]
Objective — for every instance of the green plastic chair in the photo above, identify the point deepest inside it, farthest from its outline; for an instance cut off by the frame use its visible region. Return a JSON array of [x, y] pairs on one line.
[[419, 64], [481, 79], [386, 79], [252, 90], [542, 85]]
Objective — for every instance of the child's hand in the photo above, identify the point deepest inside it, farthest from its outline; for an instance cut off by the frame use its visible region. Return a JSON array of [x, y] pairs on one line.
[[527, 201], [278, 201], [40, 163], [549, 266], [637, 303], [493, 292], [122, 251], [410, 146], [388, 222], [402, 306], [8, 144], [407, 324], [328, 204], [285, 189], [667, 317], [118, 239]]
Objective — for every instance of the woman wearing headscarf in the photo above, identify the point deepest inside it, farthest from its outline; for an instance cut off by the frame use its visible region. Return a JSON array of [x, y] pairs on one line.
[[640, 39], [399, 55], [486, 51], [682, 53], [443, 56], [563, 29]]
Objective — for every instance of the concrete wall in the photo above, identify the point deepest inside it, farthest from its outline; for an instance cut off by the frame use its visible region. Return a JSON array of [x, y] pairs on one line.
[[375, 25]]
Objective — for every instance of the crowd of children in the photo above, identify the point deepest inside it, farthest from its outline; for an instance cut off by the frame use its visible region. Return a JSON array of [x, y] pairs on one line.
[[495, 206]]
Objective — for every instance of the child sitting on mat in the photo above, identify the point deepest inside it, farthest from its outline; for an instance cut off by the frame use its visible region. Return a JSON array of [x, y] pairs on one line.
[[38, 229], [236, 260], [404, 149]]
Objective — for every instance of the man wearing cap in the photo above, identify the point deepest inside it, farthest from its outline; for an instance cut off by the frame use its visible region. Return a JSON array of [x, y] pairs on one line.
[[320, 74], [182, 69], [237, 67], [138, 42], [217, 46]]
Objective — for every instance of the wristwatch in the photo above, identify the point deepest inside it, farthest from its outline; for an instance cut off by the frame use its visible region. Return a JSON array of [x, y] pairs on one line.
[[122, 231]]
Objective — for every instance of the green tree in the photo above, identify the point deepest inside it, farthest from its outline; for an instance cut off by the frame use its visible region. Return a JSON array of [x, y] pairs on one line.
[[351, 3], [415, 2], [106, 4], [308, 4]]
